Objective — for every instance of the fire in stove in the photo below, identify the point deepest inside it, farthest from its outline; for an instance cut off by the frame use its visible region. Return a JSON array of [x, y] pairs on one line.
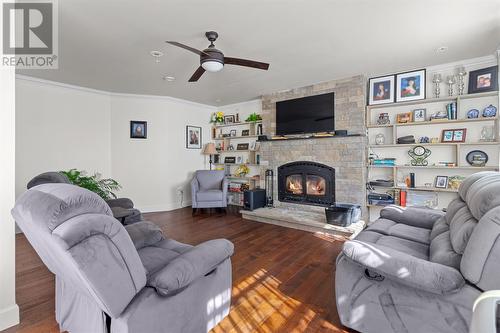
[[315, 185], [294, 184]]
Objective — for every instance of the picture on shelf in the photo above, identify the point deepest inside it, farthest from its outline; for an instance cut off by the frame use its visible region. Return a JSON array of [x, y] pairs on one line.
[[242, 146], [403, 118], [453, 135], [239, 160], [232, 133], [419, 115], [441, 182], [381, 90], [245, 132], [410, 86], [229, 159], [230, 147], [483, 80], [138, 129], [229, 119], [193, 137]]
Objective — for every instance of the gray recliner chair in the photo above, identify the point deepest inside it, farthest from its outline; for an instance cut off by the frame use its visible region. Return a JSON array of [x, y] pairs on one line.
[[111, 278], [420, 270], [122, 208], [209, 189]]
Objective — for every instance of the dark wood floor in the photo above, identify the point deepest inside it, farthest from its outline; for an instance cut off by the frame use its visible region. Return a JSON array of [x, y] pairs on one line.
[[282, 278]]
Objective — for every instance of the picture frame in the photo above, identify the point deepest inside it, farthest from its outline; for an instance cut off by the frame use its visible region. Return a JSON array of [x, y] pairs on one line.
[[419, 115], [242, 146], [239, 160], [229, 119], [381, 90], [441, 182], [454, 135], [245, 132], [193, 137], [410, 86], [403, 118], [229, 160], [483, 80], [138, 129], [232, 132]]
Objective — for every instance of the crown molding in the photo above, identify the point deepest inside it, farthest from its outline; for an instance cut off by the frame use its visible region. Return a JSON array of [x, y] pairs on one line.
[[108, 93], [489, 60]]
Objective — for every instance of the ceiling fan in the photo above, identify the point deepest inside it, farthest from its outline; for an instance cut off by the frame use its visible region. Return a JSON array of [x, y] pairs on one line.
[[213, 60]]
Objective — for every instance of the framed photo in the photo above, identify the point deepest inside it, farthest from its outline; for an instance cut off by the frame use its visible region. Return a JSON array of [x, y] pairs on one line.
[[454, 135], [239, 160], [193, 137], [403, 118], [482, 80], [242, 146], [245, 132], [381, 90], [229, 119], [232, 133], [410, 86], [419, 115], [441, 182], [229, 159], [138, 129]]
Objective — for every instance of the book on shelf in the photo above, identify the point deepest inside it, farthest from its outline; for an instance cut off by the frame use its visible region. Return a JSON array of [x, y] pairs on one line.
[[451, 110], [384, 161], [402, 198], [446, 164]]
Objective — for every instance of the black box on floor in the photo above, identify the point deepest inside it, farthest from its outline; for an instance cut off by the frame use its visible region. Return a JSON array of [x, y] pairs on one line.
[[253, 199], [342, 214]]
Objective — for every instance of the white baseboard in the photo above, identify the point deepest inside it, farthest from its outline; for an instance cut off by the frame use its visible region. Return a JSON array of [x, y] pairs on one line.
[[163, 208], [9, 317]]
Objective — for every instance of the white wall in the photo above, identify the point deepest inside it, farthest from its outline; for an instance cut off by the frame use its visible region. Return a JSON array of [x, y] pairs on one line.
[[59, 128], [9, 311], [62, 127], [244, 109], [152, 170]]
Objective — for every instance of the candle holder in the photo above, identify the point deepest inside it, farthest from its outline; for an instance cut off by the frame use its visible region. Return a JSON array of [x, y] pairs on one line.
[[461, 80], [437, 80], [450, 80]]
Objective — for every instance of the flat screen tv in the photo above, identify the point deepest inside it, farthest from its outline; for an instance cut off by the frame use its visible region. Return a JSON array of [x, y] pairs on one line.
[[313, 114]]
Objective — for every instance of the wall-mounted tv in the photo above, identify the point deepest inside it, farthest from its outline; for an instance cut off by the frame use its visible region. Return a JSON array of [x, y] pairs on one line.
[[312, 114]]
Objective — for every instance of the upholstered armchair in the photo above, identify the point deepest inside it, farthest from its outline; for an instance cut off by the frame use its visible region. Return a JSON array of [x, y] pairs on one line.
[[122, 208], [112, 278], [209, 189], [420, 270]]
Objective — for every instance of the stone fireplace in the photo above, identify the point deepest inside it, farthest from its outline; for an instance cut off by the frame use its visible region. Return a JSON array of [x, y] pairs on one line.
[[307, 183]]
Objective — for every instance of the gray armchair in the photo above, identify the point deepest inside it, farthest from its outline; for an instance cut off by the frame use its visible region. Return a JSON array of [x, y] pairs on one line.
[[122, 208], [111, 278], [209, 189], [420, 270]]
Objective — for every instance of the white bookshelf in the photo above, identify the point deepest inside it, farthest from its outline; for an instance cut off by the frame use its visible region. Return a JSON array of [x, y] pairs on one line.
[[249, 156], [440, 152]]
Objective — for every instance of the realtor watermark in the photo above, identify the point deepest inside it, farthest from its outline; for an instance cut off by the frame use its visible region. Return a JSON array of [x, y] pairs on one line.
[[29, 34]]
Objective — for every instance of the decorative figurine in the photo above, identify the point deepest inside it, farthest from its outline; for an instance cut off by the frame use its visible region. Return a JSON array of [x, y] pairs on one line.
[[379, 139], [419, 156], [488, 134], [437, 80], [473, 113], [461, 80], [490, 111], [383, 119], [450, 80], [424, 139]]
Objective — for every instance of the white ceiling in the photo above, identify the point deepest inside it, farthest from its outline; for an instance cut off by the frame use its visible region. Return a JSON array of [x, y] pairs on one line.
[[105, 44]]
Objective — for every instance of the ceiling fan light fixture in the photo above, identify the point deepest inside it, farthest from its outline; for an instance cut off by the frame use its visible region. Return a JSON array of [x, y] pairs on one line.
[[212, 66]]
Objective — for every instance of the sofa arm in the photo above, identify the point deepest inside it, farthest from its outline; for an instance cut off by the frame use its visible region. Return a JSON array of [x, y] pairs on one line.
[[403, 268], [190, 266], [415, 216], [144, 234], [120, 202]]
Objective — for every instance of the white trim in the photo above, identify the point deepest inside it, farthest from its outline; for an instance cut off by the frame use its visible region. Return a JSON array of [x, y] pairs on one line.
[[60, 84], [109, 93], [163, 208], [488, 60], [9, 317]]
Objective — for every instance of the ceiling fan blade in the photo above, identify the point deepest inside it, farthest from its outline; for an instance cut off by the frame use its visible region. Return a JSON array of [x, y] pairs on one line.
[[185, 47], [199, 72], [245, 62]]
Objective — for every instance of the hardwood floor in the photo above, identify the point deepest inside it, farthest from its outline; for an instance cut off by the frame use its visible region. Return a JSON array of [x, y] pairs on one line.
[[282, 278]]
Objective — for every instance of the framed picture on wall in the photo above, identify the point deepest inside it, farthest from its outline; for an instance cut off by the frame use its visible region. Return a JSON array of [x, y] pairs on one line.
[[193, 137], [410, 86], [381, 90], [138, 129]]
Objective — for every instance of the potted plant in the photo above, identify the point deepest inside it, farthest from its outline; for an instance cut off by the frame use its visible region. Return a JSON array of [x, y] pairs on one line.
[[254, 117], [103, 187], [217, 118]]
